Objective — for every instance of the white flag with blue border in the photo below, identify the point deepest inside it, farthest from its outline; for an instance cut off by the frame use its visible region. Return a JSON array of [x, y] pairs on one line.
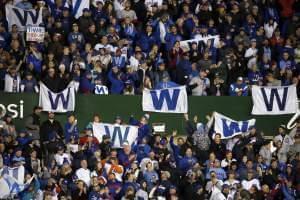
[[23, 18], [170, 100], [78, 6], [12, 181], [118, 133], [274, 100], [57, 102], [229, 128]]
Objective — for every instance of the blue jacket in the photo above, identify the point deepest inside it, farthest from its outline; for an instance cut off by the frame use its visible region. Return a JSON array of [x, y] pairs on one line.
[[187, 163], [167, 25], [186, 66], [29, 85], [77, 38], [254, 77], [171, 39], [144, 130], [113, 186], [128, 184], [220, 173], [56, 11], [288, 193], [119, 61], [124, 159], [117, 85], [86, 84], [23, 140], [243, 87], [150, 177], [94, 195], [147, 41], [176, 151], [37, 63], [189, 25], [142, 151], [71, 131], [129, 32]]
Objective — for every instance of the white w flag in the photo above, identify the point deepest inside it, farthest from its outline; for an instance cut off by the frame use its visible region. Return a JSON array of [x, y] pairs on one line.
[[57, 102], [229, 128], [18, 173], [274, 100], [9, 186], [22, 18], [170, 100], [118, 133], [78, 6]]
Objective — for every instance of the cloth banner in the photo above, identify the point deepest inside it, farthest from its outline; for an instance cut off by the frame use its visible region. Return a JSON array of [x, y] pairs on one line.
[[170, 100], [10, 186], [186, 44], [229, 128], [274, 100], [78, 6], [118, 133], [22, 18], [18, 173], [35, 34], [57, 102]]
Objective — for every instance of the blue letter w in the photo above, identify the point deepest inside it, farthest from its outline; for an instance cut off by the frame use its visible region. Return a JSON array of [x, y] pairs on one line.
[[117, 133], [100, 90], [165, 95], [65, 101], [233, 128], [274, 92]]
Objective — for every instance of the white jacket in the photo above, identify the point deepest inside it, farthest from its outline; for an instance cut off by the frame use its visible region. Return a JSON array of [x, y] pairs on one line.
[[248, 184], [269, 29], [9, 83]]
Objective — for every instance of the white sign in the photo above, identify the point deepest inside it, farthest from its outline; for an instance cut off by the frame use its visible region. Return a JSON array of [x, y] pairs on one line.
[[57, 102], [101, 90], [274, 100], [118, 133], [22, 18], [214, 40], [35, 34], [170, 100], [229, 128]]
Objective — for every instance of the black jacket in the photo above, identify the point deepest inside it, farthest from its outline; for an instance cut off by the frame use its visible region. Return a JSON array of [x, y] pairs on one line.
[[47, 128]]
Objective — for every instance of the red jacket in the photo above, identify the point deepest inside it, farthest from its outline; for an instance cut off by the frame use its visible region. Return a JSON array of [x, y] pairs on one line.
[[286, 8]]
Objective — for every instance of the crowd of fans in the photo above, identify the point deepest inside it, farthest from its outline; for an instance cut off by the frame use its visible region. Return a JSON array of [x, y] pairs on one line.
[[126, 46], [68, 163]]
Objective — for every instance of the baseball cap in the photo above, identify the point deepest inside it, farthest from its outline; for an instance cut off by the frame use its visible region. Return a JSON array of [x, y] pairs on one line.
[[118, 117], [282, 126], [126, 143], [104, 137], [240, 78]]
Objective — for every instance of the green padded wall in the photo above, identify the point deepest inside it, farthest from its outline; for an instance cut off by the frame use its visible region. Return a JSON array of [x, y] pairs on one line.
[[108, 107]]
